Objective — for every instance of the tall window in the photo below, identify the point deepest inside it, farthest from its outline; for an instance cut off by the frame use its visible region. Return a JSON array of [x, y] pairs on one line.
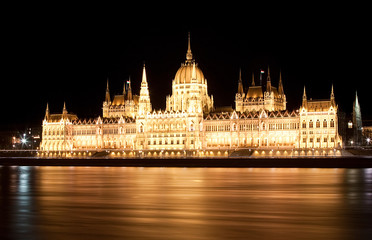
[[311, 124], [317, 123], [325, 123], [332, 123], [304, 124]]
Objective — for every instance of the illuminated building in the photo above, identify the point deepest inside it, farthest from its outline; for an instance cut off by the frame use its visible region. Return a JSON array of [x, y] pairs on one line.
[[191, 126], [357, 122]]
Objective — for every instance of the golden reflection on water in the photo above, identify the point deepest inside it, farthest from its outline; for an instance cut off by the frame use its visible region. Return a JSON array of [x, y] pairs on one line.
[[196, 203]]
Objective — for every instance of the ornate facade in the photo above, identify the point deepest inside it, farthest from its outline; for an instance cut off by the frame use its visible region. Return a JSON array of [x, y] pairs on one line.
[[190, 124]]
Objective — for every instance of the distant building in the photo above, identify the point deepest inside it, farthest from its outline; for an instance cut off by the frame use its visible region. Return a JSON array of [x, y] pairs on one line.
[[190, 121]]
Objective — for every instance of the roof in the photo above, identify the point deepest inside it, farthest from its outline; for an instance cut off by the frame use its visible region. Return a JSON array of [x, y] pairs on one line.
[[251, 115], [185, 72], [318, 105], [119, 100], [255, 92], [58, 117]]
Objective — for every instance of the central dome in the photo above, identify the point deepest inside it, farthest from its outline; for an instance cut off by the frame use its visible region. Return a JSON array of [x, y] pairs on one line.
[[189, 73]]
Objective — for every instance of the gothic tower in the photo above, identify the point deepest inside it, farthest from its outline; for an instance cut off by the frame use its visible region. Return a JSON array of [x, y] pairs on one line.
[[144, 105]]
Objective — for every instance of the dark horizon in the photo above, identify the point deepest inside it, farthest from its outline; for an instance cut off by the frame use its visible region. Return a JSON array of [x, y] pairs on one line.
[[69, 61]]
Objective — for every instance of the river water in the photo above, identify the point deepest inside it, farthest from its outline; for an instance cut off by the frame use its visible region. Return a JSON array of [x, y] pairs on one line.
[[184, 203]]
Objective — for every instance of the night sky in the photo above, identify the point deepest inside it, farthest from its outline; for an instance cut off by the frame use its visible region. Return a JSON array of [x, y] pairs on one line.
[[66, 55]]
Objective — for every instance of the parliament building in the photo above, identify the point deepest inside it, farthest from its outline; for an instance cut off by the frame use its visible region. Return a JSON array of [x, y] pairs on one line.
[[191, 126]]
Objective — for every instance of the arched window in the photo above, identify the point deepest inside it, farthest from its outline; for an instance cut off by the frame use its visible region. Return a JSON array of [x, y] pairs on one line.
[[317, 123], [311, 124], [140, 128], [304, 124], [325, 123], [332, 123]]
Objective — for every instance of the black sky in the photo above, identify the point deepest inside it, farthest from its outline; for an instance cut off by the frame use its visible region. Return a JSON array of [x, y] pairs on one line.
[[66, 54]]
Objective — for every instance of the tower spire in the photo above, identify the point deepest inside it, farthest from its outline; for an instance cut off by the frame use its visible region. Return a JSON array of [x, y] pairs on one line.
[[107, 99], [333, 103], [253, 83], [144, 104], [280, 87], [144, 77], [240, 83], [129, 95], [47, 114], [304, 98], [188, 53], [124, 89], [268, 84], [64, 111]]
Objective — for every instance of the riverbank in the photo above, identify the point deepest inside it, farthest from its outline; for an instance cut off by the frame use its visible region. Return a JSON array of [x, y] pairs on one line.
[[335, 162]]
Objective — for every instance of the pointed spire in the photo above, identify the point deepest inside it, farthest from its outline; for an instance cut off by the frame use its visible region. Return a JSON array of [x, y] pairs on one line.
[[333, 103], [144, 105], [304, 98], [47, 114], [144, 77], [144, 91], [64, 111], [356, 97], [124, 89], [253, 83], [240, 83], [189, 53], [280, 87], [268, 83], [357, 121], [107, 99], [129, 95]]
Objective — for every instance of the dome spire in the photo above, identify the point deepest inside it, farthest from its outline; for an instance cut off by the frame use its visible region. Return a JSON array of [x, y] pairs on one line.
[[188, 53], [144, 78]]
